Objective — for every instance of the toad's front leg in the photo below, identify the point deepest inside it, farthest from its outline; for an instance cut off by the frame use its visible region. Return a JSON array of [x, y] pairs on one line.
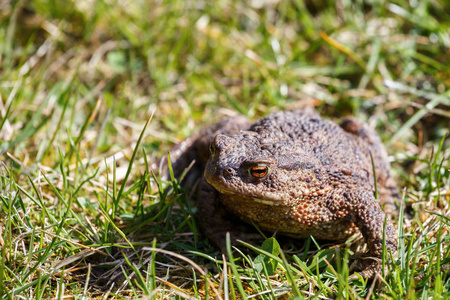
[[365, 212], [215, 221]]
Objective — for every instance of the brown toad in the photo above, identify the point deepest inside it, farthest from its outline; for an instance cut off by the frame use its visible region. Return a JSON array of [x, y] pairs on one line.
[[296, 174]]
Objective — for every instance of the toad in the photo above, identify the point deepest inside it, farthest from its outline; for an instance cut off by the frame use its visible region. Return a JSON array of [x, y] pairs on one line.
[[296, 174]]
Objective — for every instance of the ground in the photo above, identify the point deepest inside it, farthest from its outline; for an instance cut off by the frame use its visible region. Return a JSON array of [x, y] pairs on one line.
[[92, 92]]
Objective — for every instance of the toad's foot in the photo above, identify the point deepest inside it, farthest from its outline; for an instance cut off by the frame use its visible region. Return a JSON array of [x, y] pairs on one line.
[[367, 267]]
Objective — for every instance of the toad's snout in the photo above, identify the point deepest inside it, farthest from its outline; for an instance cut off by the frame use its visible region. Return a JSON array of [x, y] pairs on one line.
[[214, 171]]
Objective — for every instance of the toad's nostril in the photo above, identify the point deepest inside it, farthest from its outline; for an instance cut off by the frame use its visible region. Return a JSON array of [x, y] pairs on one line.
[[228, 172]]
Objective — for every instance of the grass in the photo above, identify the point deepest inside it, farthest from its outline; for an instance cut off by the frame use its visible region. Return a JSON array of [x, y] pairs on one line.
[[92, 92]]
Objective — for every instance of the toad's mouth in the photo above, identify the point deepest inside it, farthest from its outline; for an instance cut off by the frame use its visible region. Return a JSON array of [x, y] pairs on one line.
[[251, 194], [267, 202]]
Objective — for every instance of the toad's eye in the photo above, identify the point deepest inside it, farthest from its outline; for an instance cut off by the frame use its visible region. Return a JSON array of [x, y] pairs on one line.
[[212, 149], [259, 171]]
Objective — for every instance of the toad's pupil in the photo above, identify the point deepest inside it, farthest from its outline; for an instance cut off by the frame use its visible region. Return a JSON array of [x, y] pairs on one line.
[[259, 171]]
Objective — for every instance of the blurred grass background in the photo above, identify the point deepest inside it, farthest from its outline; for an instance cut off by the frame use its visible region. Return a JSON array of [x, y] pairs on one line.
[[79, 79]]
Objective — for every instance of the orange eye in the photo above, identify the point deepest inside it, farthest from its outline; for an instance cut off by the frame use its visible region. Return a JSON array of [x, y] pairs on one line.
[[259, 171]]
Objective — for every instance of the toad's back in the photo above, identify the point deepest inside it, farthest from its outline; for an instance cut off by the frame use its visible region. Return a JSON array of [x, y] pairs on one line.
[[332, 146]]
